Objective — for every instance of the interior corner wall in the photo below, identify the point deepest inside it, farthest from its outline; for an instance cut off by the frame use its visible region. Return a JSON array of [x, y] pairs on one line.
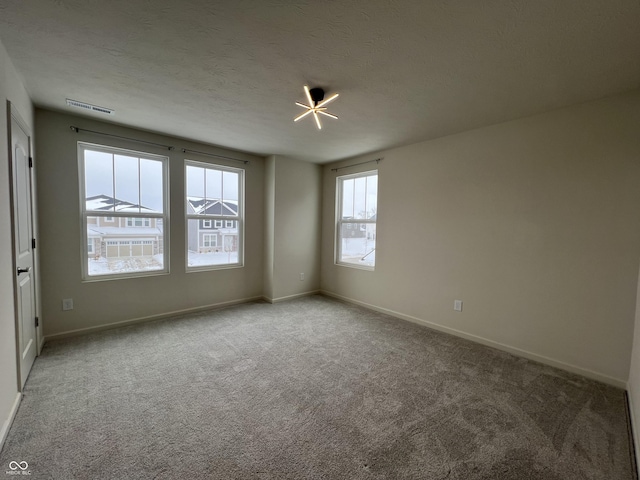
[[100, 303], [11, 89], [269, 225], [633, 386], [532, 223], [294, 193]]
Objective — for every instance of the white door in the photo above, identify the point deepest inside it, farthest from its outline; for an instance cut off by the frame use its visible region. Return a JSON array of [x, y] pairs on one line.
[[23, 248]]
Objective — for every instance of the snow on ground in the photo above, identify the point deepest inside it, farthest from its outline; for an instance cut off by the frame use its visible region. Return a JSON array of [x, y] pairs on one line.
[[354, 249], [114, 266], [111, 266], [212, 258]]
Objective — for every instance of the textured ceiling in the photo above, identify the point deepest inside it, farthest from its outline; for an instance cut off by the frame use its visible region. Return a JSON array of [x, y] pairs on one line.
[[228, 72]]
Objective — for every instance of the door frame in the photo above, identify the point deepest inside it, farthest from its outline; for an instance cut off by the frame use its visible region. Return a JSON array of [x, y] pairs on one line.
[[14, 115]]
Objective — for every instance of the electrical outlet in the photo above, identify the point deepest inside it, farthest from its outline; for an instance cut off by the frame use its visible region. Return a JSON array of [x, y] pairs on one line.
[[67, 304], [301, 277], [457, 305]]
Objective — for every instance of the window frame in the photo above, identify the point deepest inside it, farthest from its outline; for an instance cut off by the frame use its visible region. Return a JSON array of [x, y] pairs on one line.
[[115, 216], [217, 219], [349, 223]]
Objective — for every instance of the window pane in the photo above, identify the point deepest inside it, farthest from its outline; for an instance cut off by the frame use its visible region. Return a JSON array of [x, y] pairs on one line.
[[151, 185], [210, 247], [347, 198], [127, 184], [358, 244], [98, 180], [230, 182], [214, 184], [195, 189], [115, 251], [359, 197], [372, 197]]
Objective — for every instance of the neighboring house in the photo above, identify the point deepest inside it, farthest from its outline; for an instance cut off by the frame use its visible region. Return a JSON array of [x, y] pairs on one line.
[[359, 230], [111, 237], [208, 234]]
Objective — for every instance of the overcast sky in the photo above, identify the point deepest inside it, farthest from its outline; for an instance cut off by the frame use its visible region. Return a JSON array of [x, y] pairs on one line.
[[213, 184], [360, 197], [139, 180]]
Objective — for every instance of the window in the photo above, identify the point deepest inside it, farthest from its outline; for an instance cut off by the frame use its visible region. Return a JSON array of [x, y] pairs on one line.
[[356, 216], [210, 240], [138, 222], [206, 224], [129, 189], [214, 193]]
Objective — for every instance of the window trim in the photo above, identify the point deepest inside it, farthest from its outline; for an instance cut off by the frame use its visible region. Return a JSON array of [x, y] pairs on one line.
[[217, 219], [350, 222], [116, 216]]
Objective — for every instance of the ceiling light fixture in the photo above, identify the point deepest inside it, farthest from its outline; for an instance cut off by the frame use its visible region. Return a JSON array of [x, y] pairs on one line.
[[316, 105]]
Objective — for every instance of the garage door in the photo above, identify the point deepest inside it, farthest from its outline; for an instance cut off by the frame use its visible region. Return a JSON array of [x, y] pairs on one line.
[[129, 248]]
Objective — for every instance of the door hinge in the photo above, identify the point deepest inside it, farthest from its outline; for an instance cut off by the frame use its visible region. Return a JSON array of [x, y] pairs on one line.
[[37, 322], [30, 162], [33, 243]]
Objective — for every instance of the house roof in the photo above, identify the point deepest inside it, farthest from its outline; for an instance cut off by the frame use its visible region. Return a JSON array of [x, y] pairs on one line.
[[229, 73], [105, 203], [199, 205]]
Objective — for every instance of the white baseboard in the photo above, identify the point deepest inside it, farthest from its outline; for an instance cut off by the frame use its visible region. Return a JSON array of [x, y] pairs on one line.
[[635, 430], [290, 297], [150, 318], [616, 382], [7, 423]]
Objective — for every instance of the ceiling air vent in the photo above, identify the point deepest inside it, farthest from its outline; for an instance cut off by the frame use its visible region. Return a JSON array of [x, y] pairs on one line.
[[87, 106]]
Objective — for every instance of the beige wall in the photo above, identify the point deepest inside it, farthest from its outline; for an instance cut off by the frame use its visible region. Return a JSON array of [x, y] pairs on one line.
[[533, 223], [293, 208], [11, 89], [104, 302]]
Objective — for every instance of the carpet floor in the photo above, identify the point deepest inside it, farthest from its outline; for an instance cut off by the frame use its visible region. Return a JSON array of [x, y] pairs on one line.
[[307, 389]]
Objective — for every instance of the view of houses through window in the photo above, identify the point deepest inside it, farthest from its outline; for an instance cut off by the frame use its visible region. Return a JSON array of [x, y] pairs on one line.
[[357, 216], [124, 214], [124, 211], [214, 215]]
